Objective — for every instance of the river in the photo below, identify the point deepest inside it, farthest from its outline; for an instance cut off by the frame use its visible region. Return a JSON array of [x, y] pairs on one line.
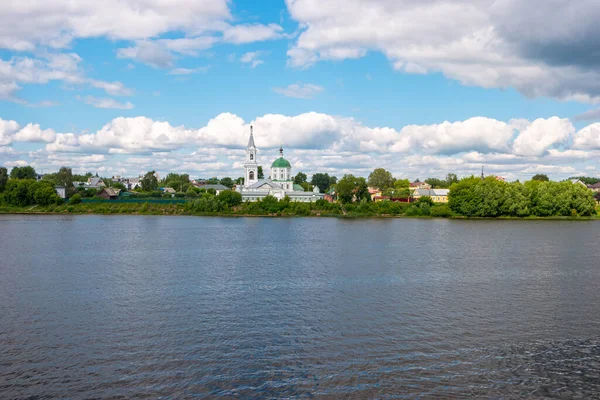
[[139, 306]]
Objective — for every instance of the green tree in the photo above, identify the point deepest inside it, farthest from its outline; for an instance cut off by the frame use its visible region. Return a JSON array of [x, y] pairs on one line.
[[332, 181], [3, 178], [300, 178], [437, 183], [345, 189], [26, 192], [381, 179], [351, 188], [227, 181], [46, 195], [23, 173], [401, 188], [540, 177], [261, 174], [75, 199], [178, 182], [450, 179], [307, 187], [64, 177], [322, 181], [149, 181], [230, 198], [191, 192], [362, 190]]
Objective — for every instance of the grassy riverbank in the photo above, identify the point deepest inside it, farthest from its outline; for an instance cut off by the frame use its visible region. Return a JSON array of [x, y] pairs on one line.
[[251, 209]]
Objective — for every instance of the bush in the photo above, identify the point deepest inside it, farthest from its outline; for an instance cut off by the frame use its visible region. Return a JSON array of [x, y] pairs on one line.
[[75, 199], [441, 211], [26, 192], [230, 198], [302, 209]]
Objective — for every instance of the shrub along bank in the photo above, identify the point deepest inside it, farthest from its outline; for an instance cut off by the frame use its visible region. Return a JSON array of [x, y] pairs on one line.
[[471, 197]]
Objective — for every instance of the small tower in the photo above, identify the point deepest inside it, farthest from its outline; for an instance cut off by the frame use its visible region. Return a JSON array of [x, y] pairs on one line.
[[281, 171], [251, 164], [482, 176]]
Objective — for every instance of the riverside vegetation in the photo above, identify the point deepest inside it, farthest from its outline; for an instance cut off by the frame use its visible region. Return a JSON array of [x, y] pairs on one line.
[[469, 197]]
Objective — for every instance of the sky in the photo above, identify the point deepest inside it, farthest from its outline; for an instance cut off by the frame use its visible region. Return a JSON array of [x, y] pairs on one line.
[[423, 89]]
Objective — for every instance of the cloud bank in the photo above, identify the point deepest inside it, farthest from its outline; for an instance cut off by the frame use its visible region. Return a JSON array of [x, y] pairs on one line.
[[540, 47], [315, 142]]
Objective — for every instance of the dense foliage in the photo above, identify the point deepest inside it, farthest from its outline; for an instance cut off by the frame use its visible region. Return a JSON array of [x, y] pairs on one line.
[[381, 179], [323, 181], [442, 183], [23, 173], [149, 182], [352, 189], [475, 197], [3, 178], [300, 178], [27, 192]]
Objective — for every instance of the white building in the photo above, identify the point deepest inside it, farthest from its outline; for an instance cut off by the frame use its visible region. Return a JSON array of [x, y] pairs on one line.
[[280, 184]]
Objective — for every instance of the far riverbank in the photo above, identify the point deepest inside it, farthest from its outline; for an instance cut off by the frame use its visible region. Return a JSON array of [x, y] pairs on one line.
[[108, 208]]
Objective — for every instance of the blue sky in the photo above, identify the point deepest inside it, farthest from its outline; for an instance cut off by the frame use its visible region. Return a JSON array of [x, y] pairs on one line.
[[420, 89]]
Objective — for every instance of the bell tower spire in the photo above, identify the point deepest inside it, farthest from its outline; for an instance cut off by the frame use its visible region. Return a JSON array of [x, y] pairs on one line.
[[251, 165]]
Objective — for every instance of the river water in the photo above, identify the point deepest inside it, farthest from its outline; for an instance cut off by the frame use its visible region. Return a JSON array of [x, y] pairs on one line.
[[136, 306]]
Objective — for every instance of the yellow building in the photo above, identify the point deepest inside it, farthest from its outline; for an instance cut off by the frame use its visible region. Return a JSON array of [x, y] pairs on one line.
[[437, 195]]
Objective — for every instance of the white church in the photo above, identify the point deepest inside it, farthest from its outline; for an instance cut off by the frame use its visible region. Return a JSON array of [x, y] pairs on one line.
[[279, 184]]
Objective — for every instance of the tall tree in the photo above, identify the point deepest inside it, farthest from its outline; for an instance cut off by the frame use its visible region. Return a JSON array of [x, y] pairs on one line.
[[3, 178], [261, 174], [401, 188], [540, 177], [300, 178], [450, 179], [149, 181], [227, 181], [23, 173], [436, 183], [322, 181], [381, 179], [64, 177], [362, 189], [345, 188]]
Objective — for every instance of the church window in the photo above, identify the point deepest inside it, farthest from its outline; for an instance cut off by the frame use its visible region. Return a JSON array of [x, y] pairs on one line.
[[251, 175], [251, 156]]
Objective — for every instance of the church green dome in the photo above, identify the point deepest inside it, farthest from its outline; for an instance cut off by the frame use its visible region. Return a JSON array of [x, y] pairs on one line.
[[281, 163]]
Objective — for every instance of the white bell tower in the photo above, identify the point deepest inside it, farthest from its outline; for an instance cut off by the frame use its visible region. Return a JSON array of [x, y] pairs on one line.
[[251, 164]]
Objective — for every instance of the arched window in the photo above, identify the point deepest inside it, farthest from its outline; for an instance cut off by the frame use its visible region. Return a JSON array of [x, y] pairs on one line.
[[251, 156], [251, 175]]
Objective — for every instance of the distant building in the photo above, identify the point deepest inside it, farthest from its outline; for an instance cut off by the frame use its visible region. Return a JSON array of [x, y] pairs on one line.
[[95, 182], [109, 193], [418, 185], [169, 190], [217, 187], [61, 191], [437, 195], [595, 187], [374, 192], [577, 181]]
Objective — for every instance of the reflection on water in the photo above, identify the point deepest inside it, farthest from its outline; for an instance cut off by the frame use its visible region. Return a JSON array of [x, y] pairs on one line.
[[117, 306]]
